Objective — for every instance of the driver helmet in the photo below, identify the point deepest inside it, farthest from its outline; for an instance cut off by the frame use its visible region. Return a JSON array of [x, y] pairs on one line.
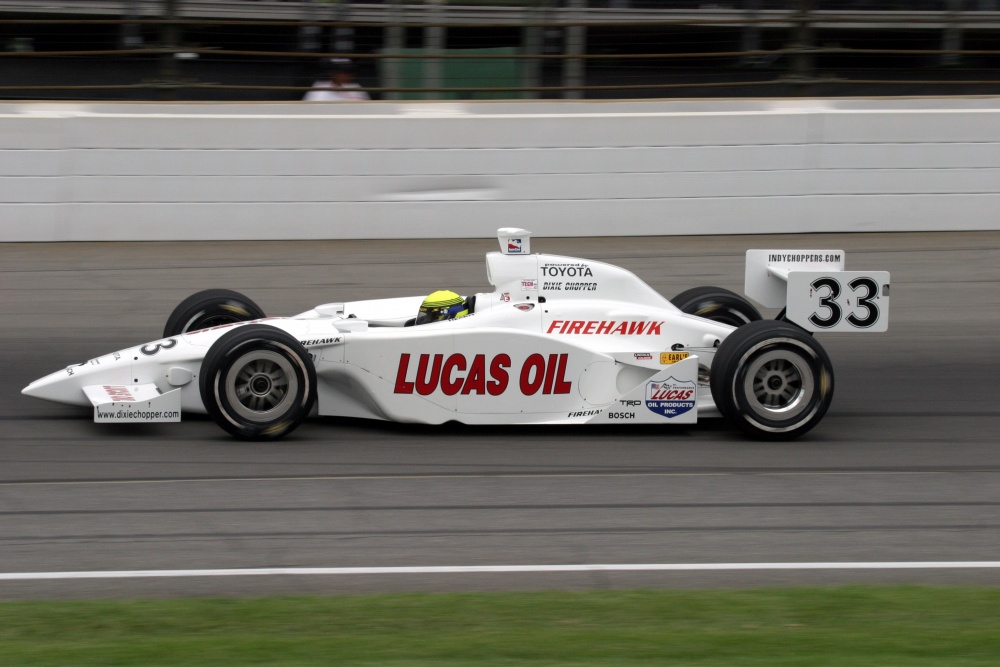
[[441, 305]]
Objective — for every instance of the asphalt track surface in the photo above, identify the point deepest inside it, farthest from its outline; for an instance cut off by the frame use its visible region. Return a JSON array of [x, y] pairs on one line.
[[905, 467]]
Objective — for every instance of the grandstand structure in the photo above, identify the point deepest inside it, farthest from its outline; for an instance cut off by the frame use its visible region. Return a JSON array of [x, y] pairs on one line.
[[269, 50], [931, 13]]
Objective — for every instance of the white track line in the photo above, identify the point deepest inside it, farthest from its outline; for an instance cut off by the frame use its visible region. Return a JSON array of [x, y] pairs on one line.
[[486, 569]]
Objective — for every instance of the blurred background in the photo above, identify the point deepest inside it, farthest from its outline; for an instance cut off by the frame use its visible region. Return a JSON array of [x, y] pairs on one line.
[[272, 50]]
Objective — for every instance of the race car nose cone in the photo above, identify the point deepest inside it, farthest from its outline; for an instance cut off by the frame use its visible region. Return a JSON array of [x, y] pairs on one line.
[[66, 386], [60, 387], [57, 387]]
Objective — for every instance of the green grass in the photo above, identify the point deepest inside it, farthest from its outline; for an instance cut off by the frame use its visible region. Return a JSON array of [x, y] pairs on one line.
[[856, 626]]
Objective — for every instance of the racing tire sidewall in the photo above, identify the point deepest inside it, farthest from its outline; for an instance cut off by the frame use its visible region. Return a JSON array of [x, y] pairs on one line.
[[717, 304], [209, 308], [774, 362], [265, 355]]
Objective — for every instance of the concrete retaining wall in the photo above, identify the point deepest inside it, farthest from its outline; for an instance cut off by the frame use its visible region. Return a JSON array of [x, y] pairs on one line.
[[384, 170]]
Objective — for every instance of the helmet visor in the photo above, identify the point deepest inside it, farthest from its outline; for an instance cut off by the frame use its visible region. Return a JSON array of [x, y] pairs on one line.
[[427, 315]]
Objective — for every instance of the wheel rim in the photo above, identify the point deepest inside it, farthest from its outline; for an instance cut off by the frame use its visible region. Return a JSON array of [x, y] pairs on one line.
[[779, 385], [260, 385]]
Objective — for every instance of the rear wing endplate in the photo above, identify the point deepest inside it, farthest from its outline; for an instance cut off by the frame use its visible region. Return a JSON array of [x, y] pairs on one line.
[[816, 292]]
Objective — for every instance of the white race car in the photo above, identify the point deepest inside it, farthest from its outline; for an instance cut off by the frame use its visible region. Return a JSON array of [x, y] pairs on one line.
[[560, 340]]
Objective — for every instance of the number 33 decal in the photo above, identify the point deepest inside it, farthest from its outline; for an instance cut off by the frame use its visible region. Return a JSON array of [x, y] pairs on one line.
[[865, 291]]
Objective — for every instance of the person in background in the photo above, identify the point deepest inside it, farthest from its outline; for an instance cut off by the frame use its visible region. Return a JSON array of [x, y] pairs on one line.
[[339, 86]]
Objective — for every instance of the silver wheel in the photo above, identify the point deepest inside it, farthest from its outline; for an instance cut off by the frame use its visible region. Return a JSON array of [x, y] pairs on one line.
[[259, 384], [779, 384], [772, 380]]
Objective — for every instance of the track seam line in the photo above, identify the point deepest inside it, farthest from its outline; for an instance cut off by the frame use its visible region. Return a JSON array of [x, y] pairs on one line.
[[364, 478], [487, 569]]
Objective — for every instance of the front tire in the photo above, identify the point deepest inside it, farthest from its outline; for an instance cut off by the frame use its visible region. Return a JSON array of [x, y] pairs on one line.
[[210, 308], [257, 382], [717, 304], [772, 380]]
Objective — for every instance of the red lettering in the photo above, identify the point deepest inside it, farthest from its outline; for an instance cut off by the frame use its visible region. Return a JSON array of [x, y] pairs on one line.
[[498, 384], [402, 386], [538, 374], [550, 374], [672, 394], [449, 386], [426, 385], [476, 382], [532, 374], [605, 327], [120, 394], [562, 384], [636, 328]]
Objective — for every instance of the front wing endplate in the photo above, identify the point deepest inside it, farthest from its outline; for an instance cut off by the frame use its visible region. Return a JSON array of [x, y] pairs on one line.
[[133, 404]]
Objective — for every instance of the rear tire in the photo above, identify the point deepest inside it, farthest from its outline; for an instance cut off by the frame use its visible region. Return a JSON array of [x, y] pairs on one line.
[[717, 304], [210, 308], [772, 380], [257, 382]]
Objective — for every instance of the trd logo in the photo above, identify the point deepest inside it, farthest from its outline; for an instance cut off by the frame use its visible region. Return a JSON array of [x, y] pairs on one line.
[[631, 404]]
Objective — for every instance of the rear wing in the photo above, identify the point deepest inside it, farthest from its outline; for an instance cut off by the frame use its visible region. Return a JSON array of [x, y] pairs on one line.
[[816, 292]]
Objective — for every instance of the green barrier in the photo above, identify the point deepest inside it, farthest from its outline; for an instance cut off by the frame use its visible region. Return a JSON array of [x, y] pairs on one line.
[[462, 76]]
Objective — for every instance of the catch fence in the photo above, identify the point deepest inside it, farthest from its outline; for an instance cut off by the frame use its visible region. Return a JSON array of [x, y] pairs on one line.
[[267, 50]]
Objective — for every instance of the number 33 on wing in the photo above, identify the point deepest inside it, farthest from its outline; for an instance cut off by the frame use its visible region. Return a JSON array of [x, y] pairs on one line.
[[839, 301]]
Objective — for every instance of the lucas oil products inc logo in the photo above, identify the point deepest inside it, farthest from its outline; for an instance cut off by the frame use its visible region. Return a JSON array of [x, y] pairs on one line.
[[671, 397]]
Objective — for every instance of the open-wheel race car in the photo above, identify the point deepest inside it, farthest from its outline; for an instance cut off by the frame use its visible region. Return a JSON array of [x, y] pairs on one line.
[[560, 340]]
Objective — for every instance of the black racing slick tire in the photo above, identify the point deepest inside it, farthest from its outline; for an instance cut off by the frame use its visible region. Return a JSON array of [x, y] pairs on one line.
[[210, 308], [717, 304], [257, 382], [772, 380]]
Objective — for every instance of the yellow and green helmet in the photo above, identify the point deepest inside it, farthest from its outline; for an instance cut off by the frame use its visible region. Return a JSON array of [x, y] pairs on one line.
[[442, 305]]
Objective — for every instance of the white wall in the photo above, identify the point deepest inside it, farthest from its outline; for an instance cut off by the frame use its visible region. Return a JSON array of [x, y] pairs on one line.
[[375, 170]]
